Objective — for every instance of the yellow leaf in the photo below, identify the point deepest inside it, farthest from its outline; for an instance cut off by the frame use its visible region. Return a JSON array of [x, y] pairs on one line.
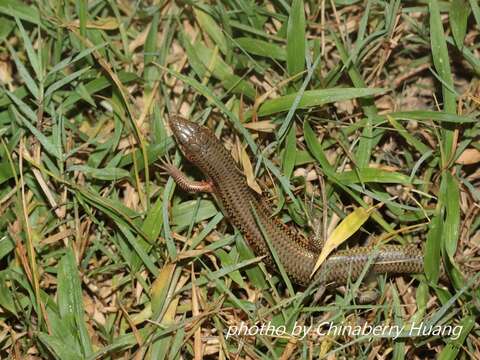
[[342, 232], [169, 317], [248, 170], [160, 286]]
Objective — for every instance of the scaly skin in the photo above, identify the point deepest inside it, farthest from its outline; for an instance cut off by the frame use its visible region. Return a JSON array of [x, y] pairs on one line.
[[297, 254]]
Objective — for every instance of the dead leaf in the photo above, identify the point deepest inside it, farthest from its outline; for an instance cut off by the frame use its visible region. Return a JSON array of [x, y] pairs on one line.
[[107, 23], [263, 126], [468, 157], [248, 169]]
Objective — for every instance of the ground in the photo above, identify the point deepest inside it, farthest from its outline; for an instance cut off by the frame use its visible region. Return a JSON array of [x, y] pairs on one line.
[[326, 106]]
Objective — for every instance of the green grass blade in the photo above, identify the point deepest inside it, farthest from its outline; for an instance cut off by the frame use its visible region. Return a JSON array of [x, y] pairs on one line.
[[459, 12], [451, 226], [296, 38], [108, 173], [23, 107], [64, 81], [314, 98], [262, 48], [58, 347], [290, 152], [70, 300], [450, 352], [442, 65], [364, 149], [94, 86], [29, 82], [32, 56], [417, 144], [210, 26], [372, 175], [20, 10], [47, 144], [476, 10], [439, 116], [433, 249]]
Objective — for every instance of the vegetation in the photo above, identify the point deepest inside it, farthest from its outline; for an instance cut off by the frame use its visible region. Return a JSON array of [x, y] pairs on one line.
[[326, 105]]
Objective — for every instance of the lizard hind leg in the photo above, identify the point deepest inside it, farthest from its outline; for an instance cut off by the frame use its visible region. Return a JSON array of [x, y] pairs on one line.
[[183, 181]]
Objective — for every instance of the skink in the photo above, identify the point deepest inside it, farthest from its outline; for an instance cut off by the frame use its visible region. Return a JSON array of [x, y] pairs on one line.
[[237, 201]]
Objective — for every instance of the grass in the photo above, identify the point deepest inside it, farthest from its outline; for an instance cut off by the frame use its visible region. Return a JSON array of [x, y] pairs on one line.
[[326, 106]]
